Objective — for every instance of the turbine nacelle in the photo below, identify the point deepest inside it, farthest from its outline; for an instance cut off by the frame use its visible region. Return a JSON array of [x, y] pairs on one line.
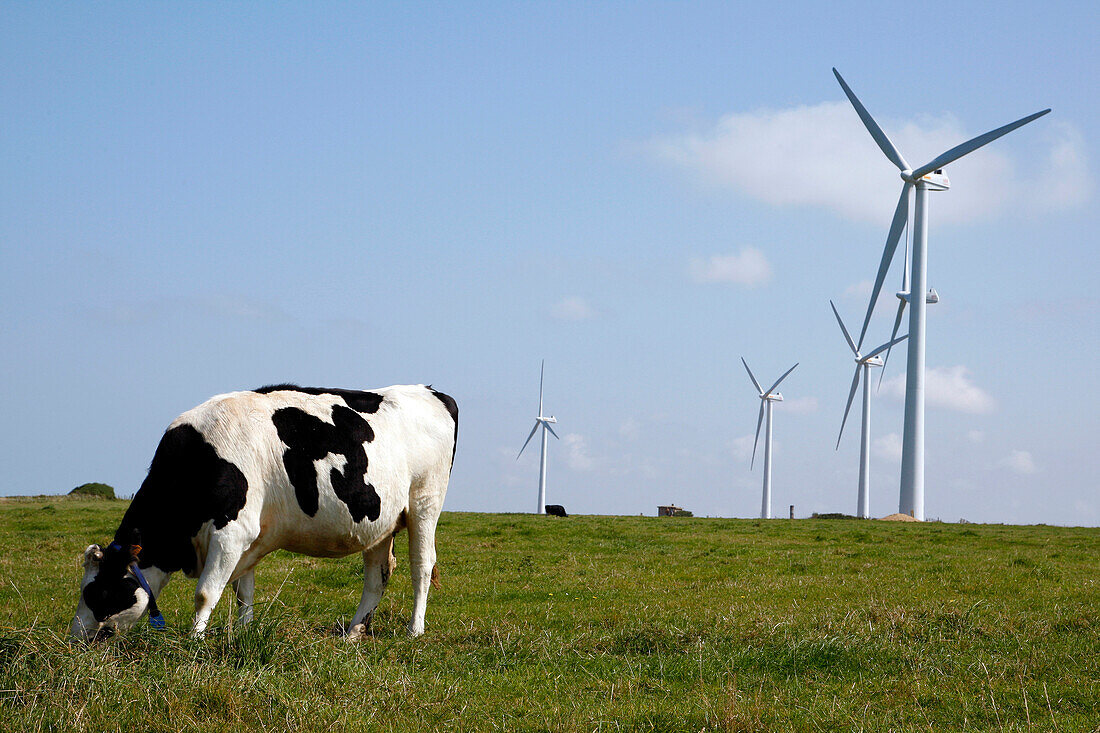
[[777, 397], [937, 180], [931, 298]]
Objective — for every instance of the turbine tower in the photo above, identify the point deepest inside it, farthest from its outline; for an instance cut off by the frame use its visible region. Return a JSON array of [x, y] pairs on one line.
[[863, 368], [766, 400], [545, 423], [928, 177]]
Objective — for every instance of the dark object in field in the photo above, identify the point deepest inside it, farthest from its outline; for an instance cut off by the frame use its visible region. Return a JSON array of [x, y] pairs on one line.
[[95, 490], [556, 510], [832, 515], [673, 511]]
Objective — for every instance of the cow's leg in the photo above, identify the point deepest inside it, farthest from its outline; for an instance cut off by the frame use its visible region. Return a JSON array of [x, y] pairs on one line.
[[423, 516], [245, 588], [220, 562], [377, 566]]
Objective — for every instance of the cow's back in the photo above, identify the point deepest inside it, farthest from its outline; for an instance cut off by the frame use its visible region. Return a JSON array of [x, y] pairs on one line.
[[323, 472]]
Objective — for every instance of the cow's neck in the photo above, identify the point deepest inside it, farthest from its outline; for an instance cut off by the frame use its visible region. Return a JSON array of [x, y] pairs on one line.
[[156, 578], [164, 547]]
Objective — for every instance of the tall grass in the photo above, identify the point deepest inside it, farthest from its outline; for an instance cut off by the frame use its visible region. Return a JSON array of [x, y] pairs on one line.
[[588, 623]]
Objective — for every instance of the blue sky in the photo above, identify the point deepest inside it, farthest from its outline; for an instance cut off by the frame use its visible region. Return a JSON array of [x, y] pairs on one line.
[[205, 198]]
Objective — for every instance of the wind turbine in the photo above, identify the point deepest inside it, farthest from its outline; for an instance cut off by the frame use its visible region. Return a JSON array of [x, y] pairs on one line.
[[863, 367], [928, 177], [545, 423], [766, 400]]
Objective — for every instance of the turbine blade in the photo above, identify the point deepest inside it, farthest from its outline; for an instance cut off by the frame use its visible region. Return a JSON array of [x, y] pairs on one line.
[[887, 345], [884, 143], [847, 337], [851, 396], [529, 436], [759, 421], [781, 379], [901, 215], [893, 334], [973, 144], [754, 382], [547, 425], [542, 373]]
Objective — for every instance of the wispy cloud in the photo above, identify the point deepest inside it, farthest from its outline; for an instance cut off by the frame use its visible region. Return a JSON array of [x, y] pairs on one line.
[[741, 448], [1018, 461], [887, 447], [800, 405], [747, 267], [572, 309], [220, 306], [577, 455], [820, 155], [948, 387]]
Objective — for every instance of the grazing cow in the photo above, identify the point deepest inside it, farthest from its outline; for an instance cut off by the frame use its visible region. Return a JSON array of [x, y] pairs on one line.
[[322, 472], [556, 510]]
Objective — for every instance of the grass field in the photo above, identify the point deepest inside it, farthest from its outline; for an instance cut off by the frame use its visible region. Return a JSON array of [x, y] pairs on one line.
[[586, 624]]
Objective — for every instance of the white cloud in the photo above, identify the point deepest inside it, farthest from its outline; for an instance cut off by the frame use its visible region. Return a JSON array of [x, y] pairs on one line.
[[1018, 461], [946, 387], [976, 436], [576, 452], [1063, 181], [630, 428], [748, 267], [741, 448], [572, 309], [887, 448], [861, 289], [821, 155], [800, 405]]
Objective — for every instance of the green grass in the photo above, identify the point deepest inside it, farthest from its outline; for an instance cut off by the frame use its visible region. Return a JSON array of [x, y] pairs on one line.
[[583, 624]]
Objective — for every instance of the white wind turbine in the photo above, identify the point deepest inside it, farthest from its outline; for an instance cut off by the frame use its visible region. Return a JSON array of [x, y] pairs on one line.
[[545, 423], [766, 400], [863, 368], [928, 177]]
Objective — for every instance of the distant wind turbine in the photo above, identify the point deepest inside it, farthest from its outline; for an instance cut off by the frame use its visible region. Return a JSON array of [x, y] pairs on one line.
[[928, 177], [545, 423], [863, 368], [766, 400]]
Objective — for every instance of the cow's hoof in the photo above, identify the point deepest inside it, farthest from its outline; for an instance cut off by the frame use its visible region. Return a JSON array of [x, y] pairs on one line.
[[357, 632]]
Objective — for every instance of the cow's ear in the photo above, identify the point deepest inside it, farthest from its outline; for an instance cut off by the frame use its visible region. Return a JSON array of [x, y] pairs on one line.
[[93, 554]]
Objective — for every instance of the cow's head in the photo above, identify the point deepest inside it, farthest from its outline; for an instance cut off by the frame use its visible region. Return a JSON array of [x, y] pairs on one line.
[[111, 599]]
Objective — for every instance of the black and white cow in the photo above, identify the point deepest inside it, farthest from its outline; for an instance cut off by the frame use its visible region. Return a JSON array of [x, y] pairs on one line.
[[323, 472]]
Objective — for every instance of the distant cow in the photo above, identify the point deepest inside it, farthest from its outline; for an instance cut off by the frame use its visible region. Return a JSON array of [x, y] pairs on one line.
[[556, 510], [323, 472]]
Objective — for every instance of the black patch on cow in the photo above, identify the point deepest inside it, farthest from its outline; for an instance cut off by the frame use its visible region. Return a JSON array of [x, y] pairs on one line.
[[367, 402], [309, 439], [452, 407], [188, 485], [112, 590]]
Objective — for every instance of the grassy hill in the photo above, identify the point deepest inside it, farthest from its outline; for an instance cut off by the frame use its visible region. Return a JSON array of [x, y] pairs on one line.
[[586, 623]]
